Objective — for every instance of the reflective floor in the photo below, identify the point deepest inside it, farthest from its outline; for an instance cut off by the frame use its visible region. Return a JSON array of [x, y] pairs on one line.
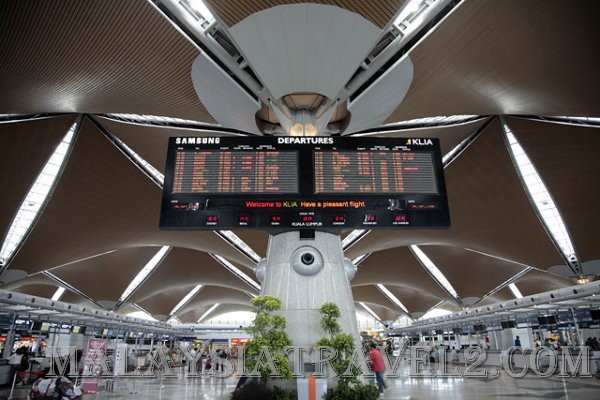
[[402, 387]]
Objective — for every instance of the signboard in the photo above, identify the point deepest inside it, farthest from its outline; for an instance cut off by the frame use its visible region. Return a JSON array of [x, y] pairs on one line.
[[294, 183], [92, 365]]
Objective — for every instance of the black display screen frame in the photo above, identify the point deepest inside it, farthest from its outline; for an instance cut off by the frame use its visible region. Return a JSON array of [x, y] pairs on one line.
[[306, 209]]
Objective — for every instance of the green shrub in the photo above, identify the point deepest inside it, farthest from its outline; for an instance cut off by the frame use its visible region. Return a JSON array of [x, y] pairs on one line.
[[259, 391]]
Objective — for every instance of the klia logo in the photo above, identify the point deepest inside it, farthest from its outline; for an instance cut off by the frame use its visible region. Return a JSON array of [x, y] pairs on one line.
[[420, 142]]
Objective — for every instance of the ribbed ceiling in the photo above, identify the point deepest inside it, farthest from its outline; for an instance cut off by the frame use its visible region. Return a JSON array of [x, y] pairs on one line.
[[27, 146], [95, 56], [508, 57], [379, 13], [486, 58]]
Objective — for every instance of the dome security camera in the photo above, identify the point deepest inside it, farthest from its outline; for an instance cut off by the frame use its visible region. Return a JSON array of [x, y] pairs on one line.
[[307, 261]]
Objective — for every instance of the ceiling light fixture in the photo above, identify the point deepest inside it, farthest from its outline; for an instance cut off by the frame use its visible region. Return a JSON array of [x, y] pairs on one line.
[[236, 271], [208, 312], [58, 294], [198, 10], [434, 271], [185, 299], [541, 198], [515, 291], [369, 310], [36, 198], [392, 297], [144, 273]]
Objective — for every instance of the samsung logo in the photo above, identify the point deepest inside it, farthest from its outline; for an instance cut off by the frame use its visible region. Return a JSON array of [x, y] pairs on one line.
[[197, 140], [305, 140]]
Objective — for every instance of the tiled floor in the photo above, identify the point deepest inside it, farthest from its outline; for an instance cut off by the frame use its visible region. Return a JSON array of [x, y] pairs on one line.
[[400, 388]]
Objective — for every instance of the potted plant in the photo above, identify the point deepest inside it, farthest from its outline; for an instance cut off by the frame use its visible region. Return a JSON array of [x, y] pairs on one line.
[[348, 386]]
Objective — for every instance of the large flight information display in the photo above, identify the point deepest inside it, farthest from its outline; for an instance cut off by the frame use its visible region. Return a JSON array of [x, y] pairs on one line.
[[277, 183]]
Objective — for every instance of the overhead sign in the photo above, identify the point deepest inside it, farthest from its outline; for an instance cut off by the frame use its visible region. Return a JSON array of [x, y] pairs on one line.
[[295, 183]]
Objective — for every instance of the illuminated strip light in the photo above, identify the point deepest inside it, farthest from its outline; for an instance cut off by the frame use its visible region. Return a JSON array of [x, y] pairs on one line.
[[236, 271], [36, 198], [58, 294], [542, 200], [239, 244], [391, 296], [185, 299], [153, 119], [369, 310], [159, 177], [434, 271], [208, 312], [360, 259], [142, 314], [144, 273], [198, 10], [354, 237], [584, 119], [515, 290]]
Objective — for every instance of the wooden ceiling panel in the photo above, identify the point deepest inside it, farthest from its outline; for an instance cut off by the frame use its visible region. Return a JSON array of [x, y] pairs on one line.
[[471, 274], [103, 202], [379, 13], [161, 304], [210, 296], [566, 157], [515, 57], [538, 282], [416, 300], [150, 142], [45, 291], [489, 210], [384, 313], [185, 268], [372, 295], [97, 57], [95, 277], [26, 147], [399, 268]]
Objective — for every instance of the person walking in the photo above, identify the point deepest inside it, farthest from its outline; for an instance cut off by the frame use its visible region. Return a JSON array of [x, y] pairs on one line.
[[377, 366]]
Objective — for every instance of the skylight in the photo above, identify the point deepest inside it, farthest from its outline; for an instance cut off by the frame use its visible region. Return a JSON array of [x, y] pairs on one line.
[[369, 310], [144, 273], [143, 163], [415, 14], [391, 296], [236, 271], [154, 119], [142, 315], [58, 294], [584, 119], [433, 270], [354, 237], [360, 259], [541, 197], [199, 11], [515, 290], [238, 243], [208, 312], [435, 312], [35, 199], [186, 299]]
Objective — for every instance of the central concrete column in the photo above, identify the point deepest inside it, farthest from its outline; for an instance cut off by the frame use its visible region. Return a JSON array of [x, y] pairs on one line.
[[304, 274]]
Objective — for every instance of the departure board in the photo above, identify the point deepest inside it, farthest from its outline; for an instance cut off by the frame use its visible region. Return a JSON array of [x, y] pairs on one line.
[[295, 183], [212, 171], [359, 172]]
